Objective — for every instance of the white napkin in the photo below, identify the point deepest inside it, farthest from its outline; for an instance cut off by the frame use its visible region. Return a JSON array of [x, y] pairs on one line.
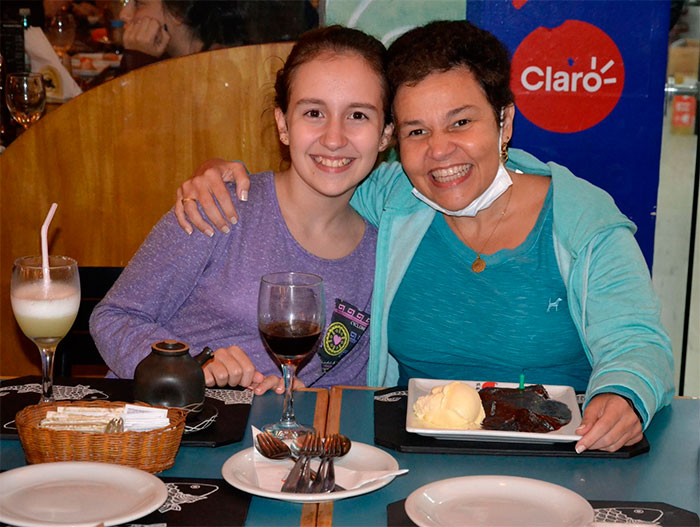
[[143, 418], [60, 86], [271, 474], [94, 419]]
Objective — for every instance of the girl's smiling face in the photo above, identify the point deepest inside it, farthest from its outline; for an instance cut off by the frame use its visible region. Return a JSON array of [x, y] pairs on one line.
[[449, 137], [334, 123]]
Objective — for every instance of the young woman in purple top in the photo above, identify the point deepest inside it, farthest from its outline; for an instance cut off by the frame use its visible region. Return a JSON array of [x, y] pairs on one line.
[[332, 111]]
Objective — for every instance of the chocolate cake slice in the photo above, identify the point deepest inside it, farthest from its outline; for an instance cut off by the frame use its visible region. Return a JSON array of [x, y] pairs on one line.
[[526, 410]]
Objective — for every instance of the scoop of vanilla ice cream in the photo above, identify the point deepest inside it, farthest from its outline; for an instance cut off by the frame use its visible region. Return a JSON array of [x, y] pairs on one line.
[[454, 405]]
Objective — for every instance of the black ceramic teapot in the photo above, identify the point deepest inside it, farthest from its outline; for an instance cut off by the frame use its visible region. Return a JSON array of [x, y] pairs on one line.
[[171, 377]]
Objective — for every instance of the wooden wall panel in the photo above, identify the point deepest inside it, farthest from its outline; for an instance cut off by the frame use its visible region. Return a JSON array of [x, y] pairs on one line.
[[113, 157]]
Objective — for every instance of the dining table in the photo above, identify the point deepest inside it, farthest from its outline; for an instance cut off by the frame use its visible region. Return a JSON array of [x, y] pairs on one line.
[[668, 473], [206, 462]]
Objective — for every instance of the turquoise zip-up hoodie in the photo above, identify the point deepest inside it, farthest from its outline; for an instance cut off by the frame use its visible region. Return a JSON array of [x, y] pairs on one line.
[[611, 299]]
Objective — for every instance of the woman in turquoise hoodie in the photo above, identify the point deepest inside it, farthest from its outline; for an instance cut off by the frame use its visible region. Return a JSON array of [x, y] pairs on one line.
[[491, 263]]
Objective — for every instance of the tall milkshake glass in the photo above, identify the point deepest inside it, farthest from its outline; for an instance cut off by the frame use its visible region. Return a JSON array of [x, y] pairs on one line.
[[45, 302]]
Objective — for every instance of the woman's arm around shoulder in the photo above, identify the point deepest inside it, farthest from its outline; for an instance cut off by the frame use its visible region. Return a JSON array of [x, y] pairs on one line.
[[374, 193], [208, 188]]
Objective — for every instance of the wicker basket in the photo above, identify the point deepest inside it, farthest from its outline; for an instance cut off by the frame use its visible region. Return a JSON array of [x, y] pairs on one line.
[[150, 451]]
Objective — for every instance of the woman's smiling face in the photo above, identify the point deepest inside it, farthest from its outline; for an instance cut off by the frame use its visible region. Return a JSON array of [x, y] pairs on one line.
[[449, 136]]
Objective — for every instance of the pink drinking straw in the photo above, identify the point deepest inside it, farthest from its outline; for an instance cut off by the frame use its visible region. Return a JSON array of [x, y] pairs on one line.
[[45, 243]]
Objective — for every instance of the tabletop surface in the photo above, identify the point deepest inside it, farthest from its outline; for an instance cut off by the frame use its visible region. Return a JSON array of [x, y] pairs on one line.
[[668, 473], [206, 462]]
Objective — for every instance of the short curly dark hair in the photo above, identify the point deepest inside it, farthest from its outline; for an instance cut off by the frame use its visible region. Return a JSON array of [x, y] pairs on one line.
[[444, 45]]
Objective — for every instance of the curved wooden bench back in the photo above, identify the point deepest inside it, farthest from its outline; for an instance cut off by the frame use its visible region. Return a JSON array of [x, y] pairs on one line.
[[113, 157]]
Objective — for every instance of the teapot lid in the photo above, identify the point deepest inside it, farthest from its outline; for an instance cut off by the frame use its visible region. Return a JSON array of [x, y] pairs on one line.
[[170, 347]]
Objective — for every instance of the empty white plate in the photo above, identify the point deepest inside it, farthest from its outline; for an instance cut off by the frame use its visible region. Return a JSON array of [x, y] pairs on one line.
[[497, 501], [78, 493]]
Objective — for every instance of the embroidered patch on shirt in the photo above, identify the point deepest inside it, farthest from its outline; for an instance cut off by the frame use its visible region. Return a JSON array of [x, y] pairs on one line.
[[347, 326], [553, 304]]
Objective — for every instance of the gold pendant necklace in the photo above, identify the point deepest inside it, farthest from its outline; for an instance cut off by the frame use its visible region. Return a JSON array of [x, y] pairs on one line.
[[479, 265]]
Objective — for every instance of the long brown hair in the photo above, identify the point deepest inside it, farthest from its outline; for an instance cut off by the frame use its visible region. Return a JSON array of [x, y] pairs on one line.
[[332, 39]]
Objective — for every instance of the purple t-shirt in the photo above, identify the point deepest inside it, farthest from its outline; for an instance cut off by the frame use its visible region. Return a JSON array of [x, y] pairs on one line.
[[204, 291]]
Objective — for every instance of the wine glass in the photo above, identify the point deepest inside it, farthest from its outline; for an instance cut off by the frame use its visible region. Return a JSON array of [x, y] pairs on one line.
[[291, 315], [61, 34], [45, 303], [26, 97]]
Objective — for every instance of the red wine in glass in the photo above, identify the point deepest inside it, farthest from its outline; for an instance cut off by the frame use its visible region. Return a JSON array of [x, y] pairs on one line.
[[291, 315], [290, 342]]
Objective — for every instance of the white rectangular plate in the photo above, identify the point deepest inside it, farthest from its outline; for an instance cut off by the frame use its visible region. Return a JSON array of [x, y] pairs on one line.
[[564, 394]]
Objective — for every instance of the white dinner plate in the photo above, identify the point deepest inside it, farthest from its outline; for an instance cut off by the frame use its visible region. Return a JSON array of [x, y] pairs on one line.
[[491, 501], [239, 471], [78, 493], [564, 394]]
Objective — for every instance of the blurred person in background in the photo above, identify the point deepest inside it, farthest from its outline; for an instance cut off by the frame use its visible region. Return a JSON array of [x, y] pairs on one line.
[[173, 28], [158, 29], [53, 7]]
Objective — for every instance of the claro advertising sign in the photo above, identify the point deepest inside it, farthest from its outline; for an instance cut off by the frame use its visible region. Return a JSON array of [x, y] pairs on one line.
[[588, 78], [559, 93]]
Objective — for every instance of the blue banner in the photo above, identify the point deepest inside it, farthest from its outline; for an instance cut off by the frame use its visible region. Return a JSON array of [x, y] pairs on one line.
[[588, 78]]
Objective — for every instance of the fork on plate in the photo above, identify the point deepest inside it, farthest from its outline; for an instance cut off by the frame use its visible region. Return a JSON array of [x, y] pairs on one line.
[[293, 483], [311, 448], [272, 447]]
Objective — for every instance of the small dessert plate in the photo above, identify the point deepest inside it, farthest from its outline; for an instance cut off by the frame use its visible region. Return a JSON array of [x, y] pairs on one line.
[[564, 394]]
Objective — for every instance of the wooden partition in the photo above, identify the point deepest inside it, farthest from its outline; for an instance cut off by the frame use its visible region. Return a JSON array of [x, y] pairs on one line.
[[113, 157]]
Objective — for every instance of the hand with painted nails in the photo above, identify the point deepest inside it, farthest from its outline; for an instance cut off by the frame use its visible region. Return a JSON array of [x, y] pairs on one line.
[[208, 187], [609, 423]]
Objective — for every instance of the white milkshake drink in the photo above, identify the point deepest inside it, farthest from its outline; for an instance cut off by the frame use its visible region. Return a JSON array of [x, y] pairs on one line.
[[45, 312]]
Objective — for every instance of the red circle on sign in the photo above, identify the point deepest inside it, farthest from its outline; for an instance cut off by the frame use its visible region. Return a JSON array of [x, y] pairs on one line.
[[569, 78]]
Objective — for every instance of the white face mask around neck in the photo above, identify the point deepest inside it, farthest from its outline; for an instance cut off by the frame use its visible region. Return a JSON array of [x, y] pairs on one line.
[[497, 187]]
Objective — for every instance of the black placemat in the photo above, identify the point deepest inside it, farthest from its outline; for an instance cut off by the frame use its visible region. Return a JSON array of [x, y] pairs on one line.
[[194, 502], [390, 432], [605, 511], [232, 405]]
